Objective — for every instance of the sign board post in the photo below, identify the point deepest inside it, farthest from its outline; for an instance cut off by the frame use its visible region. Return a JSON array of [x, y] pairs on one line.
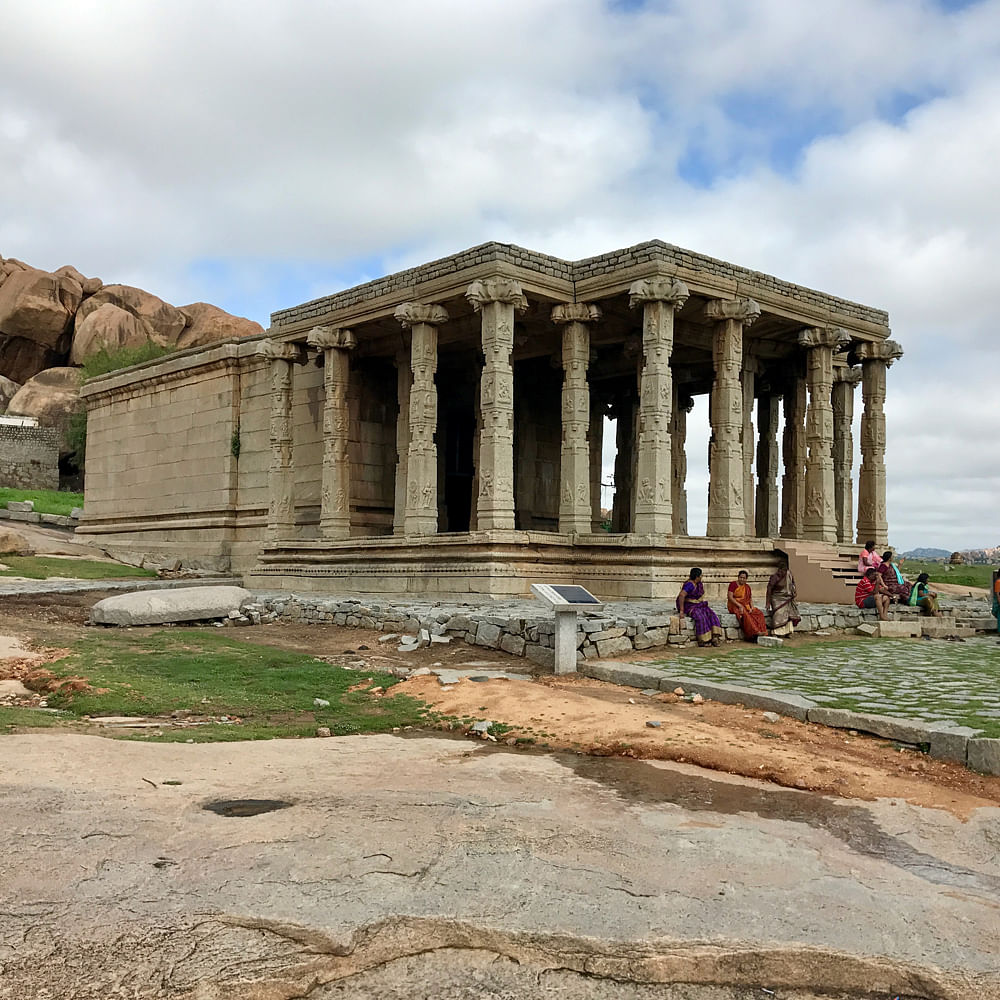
[[565, 600]]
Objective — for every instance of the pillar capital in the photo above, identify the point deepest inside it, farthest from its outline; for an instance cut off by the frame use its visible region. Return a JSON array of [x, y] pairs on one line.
[[832, 337], [324, 338], [576, 312], [744, 311], [673, 291], [878, 350], [499, 289], [279, 350], [411, 313], [846, 376]]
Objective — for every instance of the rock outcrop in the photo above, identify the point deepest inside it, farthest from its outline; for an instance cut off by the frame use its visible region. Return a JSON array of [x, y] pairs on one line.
[[109, 327], [8, 390], [207, 323], [52, 396], [163, 322], [13, 543]]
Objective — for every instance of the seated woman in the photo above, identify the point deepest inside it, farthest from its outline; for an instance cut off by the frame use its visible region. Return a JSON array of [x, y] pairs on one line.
[[898, 588], [780, 601], [739, 601], [925, 598], [690, 601], [871, 594], [869, 558], [996, 597]]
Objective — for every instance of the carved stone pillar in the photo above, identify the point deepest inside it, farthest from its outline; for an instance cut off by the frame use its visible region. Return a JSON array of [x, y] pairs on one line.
[[876, 358], [660, 298], [335, 509], [726, 517], [597, 410], [793, 453], [403, 379], [767, 467], [421, 517], [751, 369], [682, 406], [844, 382], [575, 511], [819, 514], [496, 299], [281, 475]]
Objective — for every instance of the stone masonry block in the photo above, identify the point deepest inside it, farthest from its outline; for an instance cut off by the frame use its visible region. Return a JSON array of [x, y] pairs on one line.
[[513, 644], [608, 633], [626, 674], [898, 630], [783, 702], [984, 756], [952, 743], [613, 646], [902, 730], [541, 655]]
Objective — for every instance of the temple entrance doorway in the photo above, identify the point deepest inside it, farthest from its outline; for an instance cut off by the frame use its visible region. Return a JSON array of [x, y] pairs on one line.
[[457, 392]]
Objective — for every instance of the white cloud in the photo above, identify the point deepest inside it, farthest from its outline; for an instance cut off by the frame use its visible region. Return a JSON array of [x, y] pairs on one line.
[[140, 141]]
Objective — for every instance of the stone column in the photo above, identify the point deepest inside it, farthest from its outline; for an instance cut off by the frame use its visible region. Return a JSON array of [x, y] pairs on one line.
[[751, 369], [575, 510], [682, 406], [726, 517], [819, 514], [421, 517], [281, 475], [597, 410], [844, 382], [767, 467], [793, 448], [496, 299], [875, 357], [403, 379], [335, 509], [660, 298]]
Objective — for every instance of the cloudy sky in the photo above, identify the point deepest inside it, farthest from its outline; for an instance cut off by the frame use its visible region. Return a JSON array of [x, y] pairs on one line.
[[258, 154]]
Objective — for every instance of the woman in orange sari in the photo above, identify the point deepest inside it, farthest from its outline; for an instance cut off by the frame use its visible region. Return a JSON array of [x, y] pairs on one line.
[[740, 603]]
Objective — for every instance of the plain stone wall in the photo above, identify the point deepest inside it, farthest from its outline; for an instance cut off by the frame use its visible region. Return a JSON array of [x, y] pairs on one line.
[[29, 457]]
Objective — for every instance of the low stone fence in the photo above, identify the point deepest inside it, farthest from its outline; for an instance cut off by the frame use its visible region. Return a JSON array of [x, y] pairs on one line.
[[525, 628], [29, 457], [24, 510]]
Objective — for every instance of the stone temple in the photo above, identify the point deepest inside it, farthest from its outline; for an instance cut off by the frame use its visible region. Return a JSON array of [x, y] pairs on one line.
[[439, 431]]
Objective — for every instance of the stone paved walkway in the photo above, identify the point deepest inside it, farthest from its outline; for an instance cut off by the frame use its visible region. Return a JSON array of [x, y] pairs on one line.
[[931, 680]]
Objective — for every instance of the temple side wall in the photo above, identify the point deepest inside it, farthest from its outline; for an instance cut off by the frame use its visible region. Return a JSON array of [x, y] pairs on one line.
[[29, 457]]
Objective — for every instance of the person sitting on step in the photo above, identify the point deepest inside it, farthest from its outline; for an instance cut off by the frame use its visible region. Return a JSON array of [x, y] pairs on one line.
[[870, 594]]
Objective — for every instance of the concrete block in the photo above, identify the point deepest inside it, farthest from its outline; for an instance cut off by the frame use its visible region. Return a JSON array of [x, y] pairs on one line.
[[952, 743], [984, 756], [898, 630], [769, 640], [902, 730], [612, 646]]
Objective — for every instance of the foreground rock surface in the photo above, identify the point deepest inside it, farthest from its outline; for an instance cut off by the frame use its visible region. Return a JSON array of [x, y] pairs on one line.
[[404, 863], [158, 607]]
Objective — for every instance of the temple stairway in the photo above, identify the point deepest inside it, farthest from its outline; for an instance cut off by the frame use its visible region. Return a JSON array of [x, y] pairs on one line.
[[824, 573]]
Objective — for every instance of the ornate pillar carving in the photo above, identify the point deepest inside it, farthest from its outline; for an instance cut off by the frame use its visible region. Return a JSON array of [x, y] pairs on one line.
[[844, 382], [403, 379], [421, 516], [751, 369], [793, 453], [819, 514], [496, 300], [335, 507], [660, 298], [726, 516], [597, 411], [766, 519], [682, 406], [281, 475], [876, 358], [575, 510]]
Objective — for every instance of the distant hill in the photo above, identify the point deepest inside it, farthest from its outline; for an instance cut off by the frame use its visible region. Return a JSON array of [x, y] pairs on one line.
[[926, 554]]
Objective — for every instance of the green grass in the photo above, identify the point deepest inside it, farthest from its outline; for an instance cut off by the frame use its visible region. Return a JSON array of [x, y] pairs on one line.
[[46, 501], [26, 718], [43, 567], [962, 576], [270, 690]]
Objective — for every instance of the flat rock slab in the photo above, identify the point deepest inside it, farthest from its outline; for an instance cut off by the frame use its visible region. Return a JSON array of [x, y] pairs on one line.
[[159, 607]]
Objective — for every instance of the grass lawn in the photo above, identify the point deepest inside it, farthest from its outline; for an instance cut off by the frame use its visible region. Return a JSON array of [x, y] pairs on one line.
[[269, 690], [46, 501], [962, 576], [43, 567], [25, 718]]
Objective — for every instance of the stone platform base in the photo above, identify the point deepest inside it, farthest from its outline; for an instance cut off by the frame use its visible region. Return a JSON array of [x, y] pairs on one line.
[[503, 564]]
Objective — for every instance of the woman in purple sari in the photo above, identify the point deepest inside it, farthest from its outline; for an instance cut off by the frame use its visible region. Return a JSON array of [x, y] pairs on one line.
[[690, 601]]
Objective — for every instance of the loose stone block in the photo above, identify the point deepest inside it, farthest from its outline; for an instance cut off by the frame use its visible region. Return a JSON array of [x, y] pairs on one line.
[[21, 506], [541, 655], [627, 674], [513, 644], [157, 607], [984, 756], [488, 635], [898, 630], [769, 640], [866, 629]]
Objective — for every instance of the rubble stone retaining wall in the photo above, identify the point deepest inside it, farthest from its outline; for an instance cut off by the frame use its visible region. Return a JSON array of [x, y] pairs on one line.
[[29, 457]]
